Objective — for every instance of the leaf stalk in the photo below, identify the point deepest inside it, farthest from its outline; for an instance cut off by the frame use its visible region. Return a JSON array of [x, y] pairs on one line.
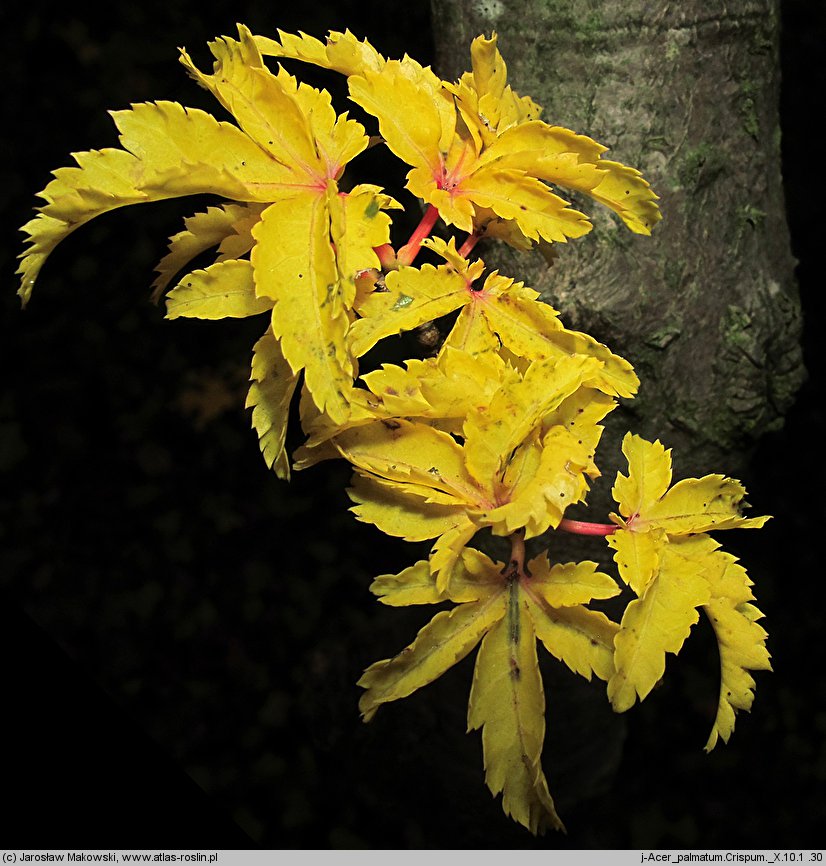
[[407, 254], [583, 527]]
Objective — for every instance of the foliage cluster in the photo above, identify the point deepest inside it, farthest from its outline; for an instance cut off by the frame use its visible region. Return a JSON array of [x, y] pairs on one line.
[[496, 429]]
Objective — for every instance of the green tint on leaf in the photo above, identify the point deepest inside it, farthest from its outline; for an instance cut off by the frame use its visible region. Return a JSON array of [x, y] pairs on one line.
[[507, 702], [507, 699], [295, 266], [413, 296]]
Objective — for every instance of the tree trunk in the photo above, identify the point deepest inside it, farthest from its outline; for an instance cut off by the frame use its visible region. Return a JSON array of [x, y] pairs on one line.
[[707, 308]]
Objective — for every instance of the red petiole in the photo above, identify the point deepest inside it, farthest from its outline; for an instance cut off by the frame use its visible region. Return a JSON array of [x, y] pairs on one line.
[[470, 242], [582, 527], [407, 254]]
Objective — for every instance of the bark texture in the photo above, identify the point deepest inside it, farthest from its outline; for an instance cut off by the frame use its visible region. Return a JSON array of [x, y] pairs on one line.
[[707, 308]]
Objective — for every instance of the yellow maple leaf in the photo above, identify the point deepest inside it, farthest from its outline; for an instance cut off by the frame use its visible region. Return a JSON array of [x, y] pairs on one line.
[[439, 391], [504, 610], [479, 152], [513, 137], [497, 157], [515, 468], [664, 553], [524, 325], [110, 178], [647, 502], [280, 167]]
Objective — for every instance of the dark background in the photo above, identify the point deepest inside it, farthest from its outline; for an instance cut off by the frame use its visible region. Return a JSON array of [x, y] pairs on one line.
[[181, 632]]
